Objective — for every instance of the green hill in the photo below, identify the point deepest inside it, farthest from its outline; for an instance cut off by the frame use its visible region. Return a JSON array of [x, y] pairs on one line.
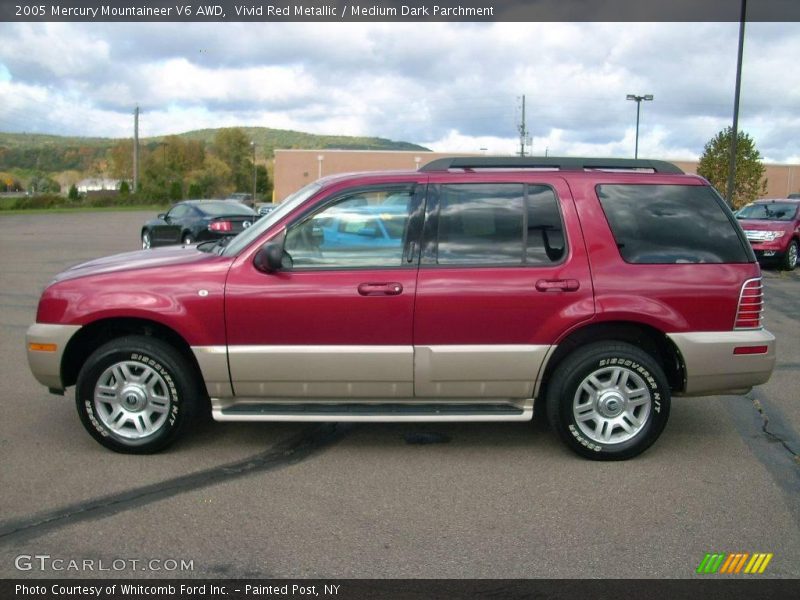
[[52, 153]]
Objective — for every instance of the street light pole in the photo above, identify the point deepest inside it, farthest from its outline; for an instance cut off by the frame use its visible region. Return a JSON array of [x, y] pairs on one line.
[[731, 187], [253, 144], [638, 100]]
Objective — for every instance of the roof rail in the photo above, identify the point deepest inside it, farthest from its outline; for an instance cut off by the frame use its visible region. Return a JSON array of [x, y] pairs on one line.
[[548, 162]]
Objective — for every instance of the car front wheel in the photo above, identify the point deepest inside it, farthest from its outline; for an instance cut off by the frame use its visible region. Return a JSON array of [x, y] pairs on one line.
[[146, 241], [135, 395], [790, 257], [187, 239], [608, 401]]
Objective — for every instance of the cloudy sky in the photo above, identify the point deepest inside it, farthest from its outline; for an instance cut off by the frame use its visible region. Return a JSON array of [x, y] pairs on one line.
[[448, 86]]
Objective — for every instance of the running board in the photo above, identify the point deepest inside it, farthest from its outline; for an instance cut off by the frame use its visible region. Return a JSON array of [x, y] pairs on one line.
[[362, 412]]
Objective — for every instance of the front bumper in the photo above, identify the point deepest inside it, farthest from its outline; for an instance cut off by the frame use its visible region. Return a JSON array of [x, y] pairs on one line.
[[45, 344], [711, 366], [773, 249]]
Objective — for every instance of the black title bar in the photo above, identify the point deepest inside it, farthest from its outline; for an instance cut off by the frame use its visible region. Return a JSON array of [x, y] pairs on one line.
[[399, 11]]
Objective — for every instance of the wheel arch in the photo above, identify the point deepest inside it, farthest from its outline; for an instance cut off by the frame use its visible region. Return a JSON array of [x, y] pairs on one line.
[[648, 338], [90, 337]]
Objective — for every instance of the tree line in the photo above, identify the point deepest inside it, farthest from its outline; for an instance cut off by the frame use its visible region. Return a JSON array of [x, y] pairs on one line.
[[173, 168], [177, 168]]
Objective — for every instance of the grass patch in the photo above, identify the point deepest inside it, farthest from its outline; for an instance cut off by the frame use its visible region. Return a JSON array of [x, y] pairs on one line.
[[83, 209]]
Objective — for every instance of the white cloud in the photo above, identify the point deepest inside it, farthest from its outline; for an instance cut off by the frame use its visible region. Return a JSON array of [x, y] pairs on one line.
[[453, 87]]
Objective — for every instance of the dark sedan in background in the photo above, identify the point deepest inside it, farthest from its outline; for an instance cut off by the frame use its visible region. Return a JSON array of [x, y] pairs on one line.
[[193, 221]]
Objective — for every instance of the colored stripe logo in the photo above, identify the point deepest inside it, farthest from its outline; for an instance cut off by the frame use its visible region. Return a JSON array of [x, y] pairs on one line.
[[734, 563]]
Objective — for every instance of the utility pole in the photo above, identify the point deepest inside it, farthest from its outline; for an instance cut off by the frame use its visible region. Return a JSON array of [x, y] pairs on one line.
[[253, 144], [135, 149], [523, 130], [735, 131]]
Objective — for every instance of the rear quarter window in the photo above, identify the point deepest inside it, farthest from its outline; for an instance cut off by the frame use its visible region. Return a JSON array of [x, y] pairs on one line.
[[668, 224]]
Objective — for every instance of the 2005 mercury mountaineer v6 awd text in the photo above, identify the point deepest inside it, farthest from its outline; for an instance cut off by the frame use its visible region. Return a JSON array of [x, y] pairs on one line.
[[473, 289]]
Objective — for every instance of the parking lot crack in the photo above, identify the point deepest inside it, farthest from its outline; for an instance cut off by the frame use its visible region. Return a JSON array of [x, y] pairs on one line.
[[772, 435]]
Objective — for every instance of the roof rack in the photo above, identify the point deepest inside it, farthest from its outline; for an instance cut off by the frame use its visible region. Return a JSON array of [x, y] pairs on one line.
[[549, 162]]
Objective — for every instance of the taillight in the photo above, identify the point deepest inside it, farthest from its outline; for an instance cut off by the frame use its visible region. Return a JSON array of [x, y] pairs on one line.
[[220, 226], [751, 305]]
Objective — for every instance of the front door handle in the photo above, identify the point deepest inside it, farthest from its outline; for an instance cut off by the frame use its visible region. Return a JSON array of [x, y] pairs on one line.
[[558, 285], [392, 288]]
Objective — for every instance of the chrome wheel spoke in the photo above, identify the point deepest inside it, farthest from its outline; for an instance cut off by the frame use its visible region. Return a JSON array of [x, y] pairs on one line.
[[638, 397], [132, 400], [159, 405], [611, 405]]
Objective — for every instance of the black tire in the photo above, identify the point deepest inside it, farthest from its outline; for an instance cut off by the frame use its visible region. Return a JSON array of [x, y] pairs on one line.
[[187, 238], [147, 240], [789, 260], [158, 394], [632, 405]]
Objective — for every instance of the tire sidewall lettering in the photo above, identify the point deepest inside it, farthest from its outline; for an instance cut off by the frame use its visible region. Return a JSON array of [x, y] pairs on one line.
[[172, 390]]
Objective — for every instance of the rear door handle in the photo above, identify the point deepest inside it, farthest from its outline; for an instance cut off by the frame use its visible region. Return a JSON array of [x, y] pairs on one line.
[[558, 285], [392, 288]]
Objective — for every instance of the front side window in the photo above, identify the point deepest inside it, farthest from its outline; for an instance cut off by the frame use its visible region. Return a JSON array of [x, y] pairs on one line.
[[355, 231], [499, 224], [664, 224], [178, 212]]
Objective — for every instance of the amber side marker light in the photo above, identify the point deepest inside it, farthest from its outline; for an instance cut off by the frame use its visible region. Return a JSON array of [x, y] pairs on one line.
[[750, 350], [42, 347]]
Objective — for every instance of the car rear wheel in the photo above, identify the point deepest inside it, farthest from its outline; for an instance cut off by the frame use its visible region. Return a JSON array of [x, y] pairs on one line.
[[146, 241], [790, 257], [135, 395], [608, 401]]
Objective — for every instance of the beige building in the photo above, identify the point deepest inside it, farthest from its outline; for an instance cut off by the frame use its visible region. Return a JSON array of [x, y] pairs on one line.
[[296, 168]]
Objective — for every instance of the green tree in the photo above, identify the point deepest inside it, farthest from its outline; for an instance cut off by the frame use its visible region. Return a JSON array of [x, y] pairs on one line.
[[120, 159], [195, 191], [749, 182], [212, 180], [42, 184], [232, 147], [73, 193], [176, 191], [124, 188], [263, 184]]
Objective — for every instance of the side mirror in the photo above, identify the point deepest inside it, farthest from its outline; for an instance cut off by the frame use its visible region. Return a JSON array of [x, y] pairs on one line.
[[270, 257], [162, 216]]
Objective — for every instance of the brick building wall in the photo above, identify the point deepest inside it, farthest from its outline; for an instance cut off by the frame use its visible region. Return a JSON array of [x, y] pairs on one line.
[[296, 168]]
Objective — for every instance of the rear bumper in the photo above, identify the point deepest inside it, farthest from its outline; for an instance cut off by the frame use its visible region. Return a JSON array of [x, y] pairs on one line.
[[45, 344], [711, 366]]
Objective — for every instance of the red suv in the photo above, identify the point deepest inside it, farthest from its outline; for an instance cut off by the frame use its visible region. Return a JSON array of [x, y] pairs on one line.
[[474, 289], [773, 228]]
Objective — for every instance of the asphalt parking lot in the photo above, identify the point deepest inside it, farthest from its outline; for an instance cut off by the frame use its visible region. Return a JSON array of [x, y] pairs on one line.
[[373, 500]]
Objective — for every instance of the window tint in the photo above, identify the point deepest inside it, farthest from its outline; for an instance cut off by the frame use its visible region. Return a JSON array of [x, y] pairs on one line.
[[499, 224], [357, 230], [670, 224]]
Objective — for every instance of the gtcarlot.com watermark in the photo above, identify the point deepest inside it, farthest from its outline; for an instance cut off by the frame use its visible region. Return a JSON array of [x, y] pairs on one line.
[[46, 562]]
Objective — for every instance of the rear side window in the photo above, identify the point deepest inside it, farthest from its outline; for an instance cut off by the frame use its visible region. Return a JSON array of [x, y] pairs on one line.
[[664, 224], [499, 224]]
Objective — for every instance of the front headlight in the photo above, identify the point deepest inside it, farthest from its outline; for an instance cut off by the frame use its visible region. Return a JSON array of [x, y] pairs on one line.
[[774, 235]]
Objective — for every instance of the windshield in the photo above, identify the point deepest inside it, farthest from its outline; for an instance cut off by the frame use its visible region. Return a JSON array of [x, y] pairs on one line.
[[769, 211], [244, 239]]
